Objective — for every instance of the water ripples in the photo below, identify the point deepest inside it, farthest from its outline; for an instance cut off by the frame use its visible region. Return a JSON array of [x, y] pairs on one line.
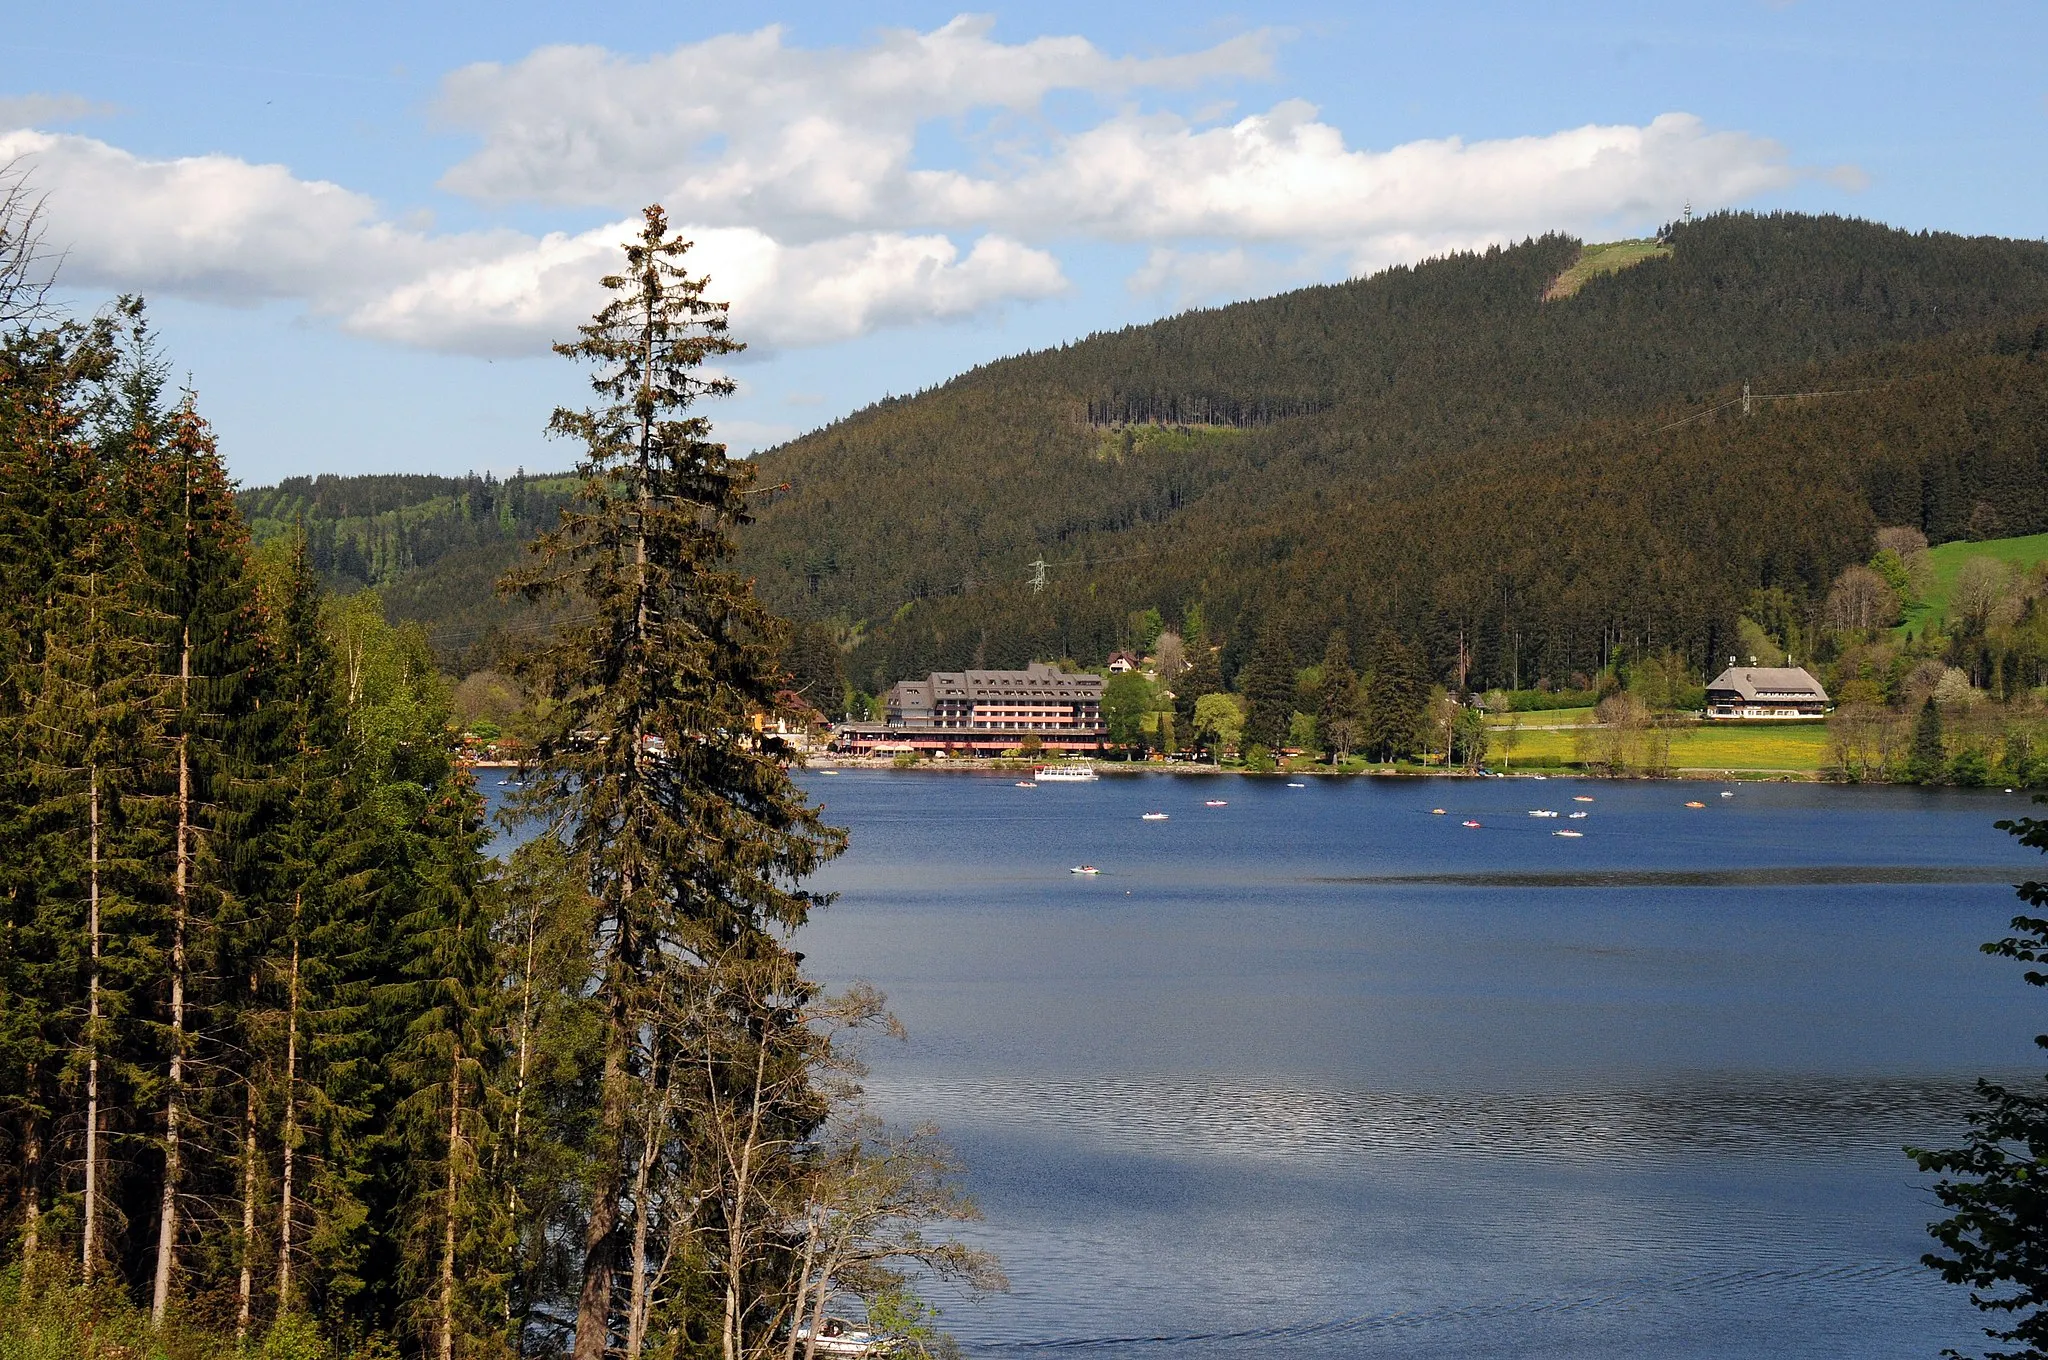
[[1777, 1118]]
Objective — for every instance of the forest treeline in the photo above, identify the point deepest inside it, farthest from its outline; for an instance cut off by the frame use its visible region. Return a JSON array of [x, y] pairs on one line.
[[433, 546], [1514, 487], [290, 1062]]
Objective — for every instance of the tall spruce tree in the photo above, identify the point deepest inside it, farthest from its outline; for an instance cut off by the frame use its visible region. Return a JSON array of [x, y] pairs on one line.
[[683, 820], [1337, 700], [1927, 761], [1268, 684]]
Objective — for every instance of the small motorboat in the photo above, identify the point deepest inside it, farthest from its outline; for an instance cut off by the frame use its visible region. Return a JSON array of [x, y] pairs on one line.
[[828, 772], [1151, 816], [1084, 869], [1582, 798], [1574, 835], [1577, 815], [1541, 812], [838, 1337], [1469, 822], [1730, 793], [1539, 776], [1695, 804], [1292, 785], [1026, 784], [1436, 812], [1217, 802]]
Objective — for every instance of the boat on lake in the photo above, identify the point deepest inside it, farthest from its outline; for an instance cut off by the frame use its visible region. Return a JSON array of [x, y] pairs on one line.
[[1436, 812], [1065, 774], [1575, 835], [1576, 815], [1217, 802], [1541, 812], [1152, 816], [1292, 785], [1582, 798], [1470, 822], [1026, 784], [1695, 804], [1084, 869]]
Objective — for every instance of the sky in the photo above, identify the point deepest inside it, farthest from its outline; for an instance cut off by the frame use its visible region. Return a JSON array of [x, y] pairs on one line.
[[360, 227]]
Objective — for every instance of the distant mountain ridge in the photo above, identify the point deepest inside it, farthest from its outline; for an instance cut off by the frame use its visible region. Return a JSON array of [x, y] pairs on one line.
[[1207, 459], [1514, 476]]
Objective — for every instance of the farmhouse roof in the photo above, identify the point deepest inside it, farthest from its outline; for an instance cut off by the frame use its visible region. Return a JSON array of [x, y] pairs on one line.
[[1768, 682]]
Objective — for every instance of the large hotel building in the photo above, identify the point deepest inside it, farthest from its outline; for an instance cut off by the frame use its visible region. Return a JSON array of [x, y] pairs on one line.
[[985, 713]]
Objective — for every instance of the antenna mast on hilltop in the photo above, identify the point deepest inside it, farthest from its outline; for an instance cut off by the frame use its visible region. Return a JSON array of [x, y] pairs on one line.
[[1688, 212]]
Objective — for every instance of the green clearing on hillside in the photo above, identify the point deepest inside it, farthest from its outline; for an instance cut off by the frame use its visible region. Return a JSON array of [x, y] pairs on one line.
[[1793, 748], [1543, 717], [1948, 560], [1609, 258]]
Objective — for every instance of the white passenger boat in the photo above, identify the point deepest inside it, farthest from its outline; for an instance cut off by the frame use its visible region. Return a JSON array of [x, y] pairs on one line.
[[1575, 835], [1065, 774], [838, 1337], [1541, 812], [1152, 816]]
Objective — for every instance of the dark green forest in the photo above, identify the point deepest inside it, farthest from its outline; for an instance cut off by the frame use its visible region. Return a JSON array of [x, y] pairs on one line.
[[433, 546], [1439, 452]]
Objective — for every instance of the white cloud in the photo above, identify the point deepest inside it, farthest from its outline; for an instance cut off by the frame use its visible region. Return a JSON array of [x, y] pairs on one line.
[[781, 295], [223, 230], [748, 130], [42, 110], [814, 211], [744, 128]]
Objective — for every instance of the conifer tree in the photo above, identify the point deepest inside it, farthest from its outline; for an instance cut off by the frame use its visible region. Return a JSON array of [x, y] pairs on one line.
[[685, 824], [1928, 758], [1337, 701], [1268, 684]]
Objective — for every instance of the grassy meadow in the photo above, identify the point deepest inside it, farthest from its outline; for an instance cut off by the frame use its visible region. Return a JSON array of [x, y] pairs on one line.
[[1757, 749], [1947, 561]]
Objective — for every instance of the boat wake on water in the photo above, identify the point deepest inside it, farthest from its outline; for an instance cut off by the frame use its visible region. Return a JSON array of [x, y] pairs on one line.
[[1785, 876]]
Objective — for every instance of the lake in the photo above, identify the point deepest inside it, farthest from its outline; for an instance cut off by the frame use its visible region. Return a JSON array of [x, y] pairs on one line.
[[1322, 1074]]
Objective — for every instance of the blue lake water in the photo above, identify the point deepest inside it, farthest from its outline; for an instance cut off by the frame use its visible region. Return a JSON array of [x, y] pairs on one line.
[[1321, 1074]]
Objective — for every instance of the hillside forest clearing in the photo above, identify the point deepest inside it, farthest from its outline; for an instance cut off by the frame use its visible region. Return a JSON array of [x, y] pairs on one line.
[[1609, 258], [1930, 611]]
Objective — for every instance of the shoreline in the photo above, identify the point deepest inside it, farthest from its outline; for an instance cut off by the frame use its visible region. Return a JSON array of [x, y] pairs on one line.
[[1108, 769]]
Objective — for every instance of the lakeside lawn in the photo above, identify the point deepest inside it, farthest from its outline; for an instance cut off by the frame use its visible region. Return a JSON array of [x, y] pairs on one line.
[[1792, 748]]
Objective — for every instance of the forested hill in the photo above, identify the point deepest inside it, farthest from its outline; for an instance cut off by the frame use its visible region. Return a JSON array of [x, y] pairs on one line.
[[433, 546], [1440, 451]]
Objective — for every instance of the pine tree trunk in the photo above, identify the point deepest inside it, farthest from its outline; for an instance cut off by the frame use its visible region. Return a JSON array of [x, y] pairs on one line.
[[447, 1338], [650, 1149], [89, 1242], [245, 1298], [291, 1132], [594, 1303], [31, 1187], [803, 1284], [167, 1232], [736, 1230], [525, 1058]]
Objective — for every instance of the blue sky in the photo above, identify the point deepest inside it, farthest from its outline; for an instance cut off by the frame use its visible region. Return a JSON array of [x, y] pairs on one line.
[[359, 226]]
